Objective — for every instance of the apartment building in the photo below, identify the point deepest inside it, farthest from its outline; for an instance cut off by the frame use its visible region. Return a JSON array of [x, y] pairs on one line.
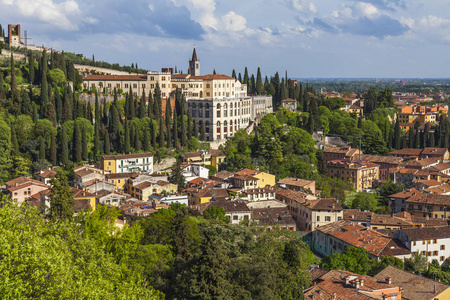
[[252, 179], [138, 162], [360, 173], [429, 205], [346, 152], [297, 184]]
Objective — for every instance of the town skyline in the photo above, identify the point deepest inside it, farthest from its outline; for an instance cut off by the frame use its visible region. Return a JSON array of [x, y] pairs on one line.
[[308, 39]]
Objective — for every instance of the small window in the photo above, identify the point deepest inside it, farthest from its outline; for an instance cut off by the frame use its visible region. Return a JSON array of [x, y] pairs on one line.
[[434, 241], [442, 258], [414, 243], [442, 247], [423, 242], [235, 218], [318, 218], [327, 218]]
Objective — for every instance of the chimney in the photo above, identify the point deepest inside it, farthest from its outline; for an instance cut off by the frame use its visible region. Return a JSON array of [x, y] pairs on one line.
[[357, 283], [361, 281], [388, 280], [347, 280]]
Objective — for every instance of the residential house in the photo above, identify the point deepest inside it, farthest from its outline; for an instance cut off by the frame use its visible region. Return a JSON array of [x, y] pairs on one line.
[[386, 163], [346, 152], [334, 237], [398, 200], [83, 174], [112, 198], [432, 242], [363, 175], [259, 194], [205, 194], [211, 157], [359, 217], [137, 162], [140, 178], [81, 196], [354, 109], [429, 205], [414, 287], [223, 177], [440, 154], [309, 211], [237, 211], [45, 176], [119, 179], [296, 184], [95, 186], [192, 171], [248, 179], [341, 285], [21, 189], [143, 190], [274, 218], [406, 152]]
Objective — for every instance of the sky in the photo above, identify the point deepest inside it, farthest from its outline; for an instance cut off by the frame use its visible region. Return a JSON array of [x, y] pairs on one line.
[[306, 38]]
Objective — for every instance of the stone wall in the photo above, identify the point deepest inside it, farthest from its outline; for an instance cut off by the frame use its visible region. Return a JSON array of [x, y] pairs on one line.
[[166, 163]]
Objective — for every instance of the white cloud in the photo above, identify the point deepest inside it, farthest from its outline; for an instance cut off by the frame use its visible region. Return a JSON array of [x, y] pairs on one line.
[[47, 11], [201, 11], [366, 10], [233, 22], [303, 6]]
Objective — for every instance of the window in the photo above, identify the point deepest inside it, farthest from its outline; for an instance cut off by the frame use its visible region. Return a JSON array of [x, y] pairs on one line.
[[435, 253], [134, 85], [414, 243], [442, 247], [109, 163], [442, 258], [163, 78], [318, 218], [126, 85], [423, 242], [163, 85], [424, 252]]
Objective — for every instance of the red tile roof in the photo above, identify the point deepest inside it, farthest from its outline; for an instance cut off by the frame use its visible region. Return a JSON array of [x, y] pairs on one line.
[[115, 78]]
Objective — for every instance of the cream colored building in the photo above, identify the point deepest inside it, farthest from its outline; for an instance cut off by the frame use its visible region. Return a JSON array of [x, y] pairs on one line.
[[361, 174]]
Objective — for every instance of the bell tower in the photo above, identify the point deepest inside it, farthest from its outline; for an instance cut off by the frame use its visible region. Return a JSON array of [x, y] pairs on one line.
[[194, 65]]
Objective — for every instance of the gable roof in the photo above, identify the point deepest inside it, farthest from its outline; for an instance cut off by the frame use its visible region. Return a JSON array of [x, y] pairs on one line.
[[414, 287], [46, 173], [116, 77], [126, 156], [427, 233], [295, 181]]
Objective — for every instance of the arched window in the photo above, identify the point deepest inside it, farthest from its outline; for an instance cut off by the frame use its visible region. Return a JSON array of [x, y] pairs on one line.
[[218, 127], [193, 105], [231, 109], [207, 126], [225, 110], [231, 125], [218, 110], [207, 105], [200, 106]]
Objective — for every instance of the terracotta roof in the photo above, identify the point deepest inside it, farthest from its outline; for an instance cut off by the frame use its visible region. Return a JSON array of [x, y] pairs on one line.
[[46, 173], [180, 76], [294, 195], [422, 162], [213, 77], [405, 194], [407, 151], [143, 185], [427, 233], [273, 216], [231, 206], [356, 235], [192, 154], [381, 159], [215, 152], [81, 193], [395, 247], [211, 192], [440, 167], [126, 156], [121, 175], [355, 107], [27, 184], [434, 151], [388, 220], [19, 180], [357, 215], [430, 199], [223, 174], [324, 204], [245, 177], [116, 77], [429, 183], [295, 181], [414, 287], [247, 172]]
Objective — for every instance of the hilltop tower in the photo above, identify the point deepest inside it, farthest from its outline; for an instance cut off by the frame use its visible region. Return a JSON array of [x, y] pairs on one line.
[[194, 65], [14, 35]]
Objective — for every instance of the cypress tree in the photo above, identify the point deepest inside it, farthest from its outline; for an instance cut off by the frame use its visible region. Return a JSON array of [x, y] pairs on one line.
[[146, 144], [107, 144], [240, 77], [161, 133], [137, 141], [397, 132], [2, 94], [31, 67], [168, 122], [15, 144], [58, 103], [202, 131], [154, 129], [142, 105], [114, 127], [360, 122], [35, 113], [50, 113], [426, 135], [44, 93], [253, 85], [41, 148], [391, 138], [105, 112], [157, 103], [64, 147], [175, 130], [432, 141], [259, 84], [189, 125], [411, 138], [233, 74], [53, 149], [183, 132], [246, 78], [214, 71], [13, 75], [126, 149], [150, 106], [26, 108], [96, 140], [195, 129], [77, 150], [446, 134], [89, 114], [417, 138], [84, 143], [67, 106]]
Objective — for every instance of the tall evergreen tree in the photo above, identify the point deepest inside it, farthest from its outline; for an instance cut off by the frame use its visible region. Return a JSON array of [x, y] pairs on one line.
[[67, 105], [142, 105], [61, 201], [96, 139], [50, 113], [194, 123], [240, 77], [233, 74], [58, 104], [189, 125], [14, 143], [53, 149], [259, 84], [41, 148], [411, 138], [77, 150], [107, 144], [426, 135], [146, 142], [246, 78], [157, 103], [202, 131], [253, 85], [35, 113], [26, 108], [64, 146], [183, 132], [150, 106], [175, 130], [161, 133], [127, 149], [154, 129], [84, 144], [31, 67], [417, 137], [114, 127], [397, 133], [137, 141]]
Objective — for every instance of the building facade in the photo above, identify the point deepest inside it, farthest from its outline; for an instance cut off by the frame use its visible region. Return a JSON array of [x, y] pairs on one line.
[[361, 174], [126, 163]]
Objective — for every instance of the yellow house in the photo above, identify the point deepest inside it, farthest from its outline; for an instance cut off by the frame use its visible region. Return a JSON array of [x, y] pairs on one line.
[[119, 179], [263, 177], [218, 157], [429, 206], [210, 157], [407, 117], [84, 195], [144, 190], [355, 109], [205, 195]]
